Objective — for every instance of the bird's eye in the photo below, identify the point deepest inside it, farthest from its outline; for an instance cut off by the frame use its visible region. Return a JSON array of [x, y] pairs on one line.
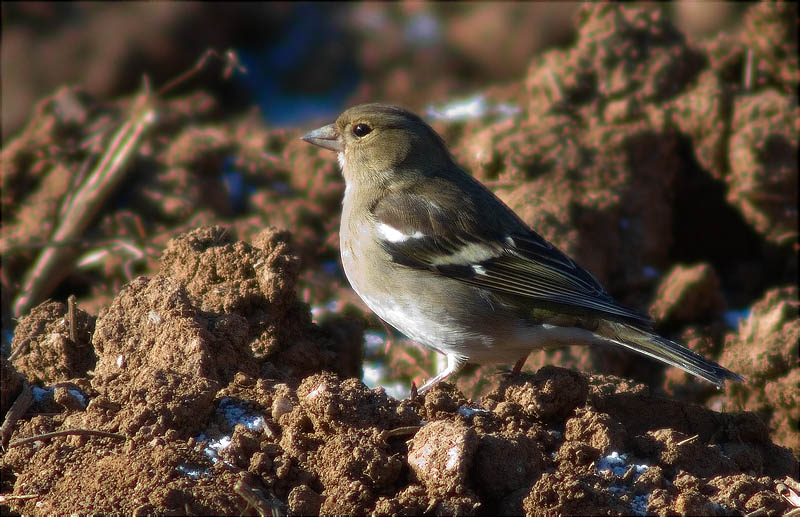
[[362, 130]]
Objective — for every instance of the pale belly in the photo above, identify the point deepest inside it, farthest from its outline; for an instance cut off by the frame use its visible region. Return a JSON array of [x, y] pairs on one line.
[[414, 316], [448, 315]]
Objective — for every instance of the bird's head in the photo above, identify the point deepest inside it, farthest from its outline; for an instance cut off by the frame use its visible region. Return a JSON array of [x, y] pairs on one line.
[[379, 143]]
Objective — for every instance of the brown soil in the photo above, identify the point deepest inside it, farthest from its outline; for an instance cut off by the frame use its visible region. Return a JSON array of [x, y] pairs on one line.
[[212, 364], [205, 377]]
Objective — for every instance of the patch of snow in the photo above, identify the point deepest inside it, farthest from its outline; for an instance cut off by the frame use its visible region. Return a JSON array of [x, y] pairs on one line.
[[237, 414]]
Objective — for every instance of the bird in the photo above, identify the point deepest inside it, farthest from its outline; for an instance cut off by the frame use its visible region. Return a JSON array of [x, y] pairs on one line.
[[438, 256]]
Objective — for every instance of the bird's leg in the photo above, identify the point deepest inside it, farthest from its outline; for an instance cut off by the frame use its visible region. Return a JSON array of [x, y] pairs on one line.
[[454, 364], [518, 365]]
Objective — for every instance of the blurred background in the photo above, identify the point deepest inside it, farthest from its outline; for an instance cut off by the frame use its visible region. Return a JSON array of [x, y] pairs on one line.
[[305, 61]]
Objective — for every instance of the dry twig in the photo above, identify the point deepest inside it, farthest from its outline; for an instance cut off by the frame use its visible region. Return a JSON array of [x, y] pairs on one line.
[[10, 497], [687, 440], [20, 349], [15, 412], [788, 493], [66, 432], [56, 260], [400, 431], [255, 497], [73, 333]]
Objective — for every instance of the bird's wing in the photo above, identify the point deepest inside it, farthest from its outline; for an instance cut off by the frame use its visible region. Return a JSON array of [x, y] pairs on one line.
[[500, 254]]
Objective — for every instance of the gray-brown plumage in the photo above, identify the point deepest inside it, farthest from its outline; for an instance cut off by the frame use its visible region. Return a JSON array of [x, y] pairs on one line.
[[435, 254]]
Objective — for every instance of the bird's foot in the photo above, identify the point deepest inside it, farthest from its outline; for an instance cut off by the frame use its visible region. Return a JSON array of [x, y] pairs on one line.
[[412, 394], [454, 364], [518, 365]]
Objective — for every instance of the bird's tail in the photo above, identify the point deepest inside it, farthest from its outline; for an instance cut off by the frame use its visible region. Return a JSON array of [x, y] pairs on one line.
[[670, 352]]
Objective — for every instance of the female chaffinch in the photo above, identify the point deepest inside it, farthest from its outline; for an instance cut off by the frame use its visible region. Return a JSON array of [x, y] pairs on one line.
[[435, 254]]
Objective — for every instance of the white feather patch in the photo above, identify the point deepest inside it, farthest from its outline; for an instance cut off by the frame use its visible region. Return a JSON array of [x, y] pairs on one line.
[[394, 235], [342, 160], [470, 253]]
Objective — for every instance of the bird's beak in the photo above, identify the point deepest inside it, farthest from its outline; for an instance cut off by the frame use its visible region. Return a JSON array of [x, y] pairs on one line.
[[326, 137]]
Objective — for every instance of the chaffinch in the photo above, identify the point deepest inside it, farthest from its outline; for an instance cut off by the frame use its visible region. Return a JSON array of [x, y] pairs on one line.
[[435, 254]]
